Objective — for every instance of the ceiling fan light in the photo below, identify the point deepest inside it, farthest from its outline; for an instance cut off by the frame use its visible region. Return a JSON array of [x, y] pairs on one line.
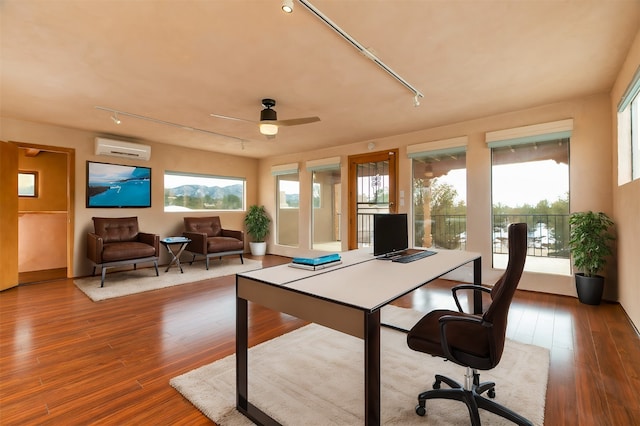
[[268, 129]]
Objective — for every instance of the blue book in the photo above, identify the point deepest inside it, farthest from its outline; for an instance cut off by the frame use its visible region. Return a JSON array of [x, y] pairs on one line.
[[315, 261]]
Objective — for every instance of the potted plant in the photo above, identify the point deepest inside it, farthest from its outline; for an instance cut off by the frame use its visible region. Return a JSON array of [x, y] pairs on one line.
[[589, 242], [257, 224]]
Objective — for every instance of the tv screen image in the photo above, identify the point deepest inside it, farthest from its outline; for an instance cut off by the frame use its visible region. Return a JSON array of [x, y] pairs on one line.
[[390, 233], [118, 186]]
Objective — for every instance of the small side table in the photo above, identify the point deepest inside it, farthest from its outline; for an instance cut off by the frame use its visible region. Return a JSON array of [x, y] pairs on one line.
[[180, 243]]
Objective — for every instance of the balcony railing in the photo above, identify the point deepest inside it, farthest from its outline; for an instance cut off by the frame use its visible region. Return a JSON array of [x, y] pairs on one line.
[[548, 233]]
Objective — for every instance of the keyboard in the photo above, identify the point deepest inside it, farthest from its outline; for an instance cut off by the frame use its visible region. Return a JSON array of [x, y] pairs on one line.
[[406, 258]]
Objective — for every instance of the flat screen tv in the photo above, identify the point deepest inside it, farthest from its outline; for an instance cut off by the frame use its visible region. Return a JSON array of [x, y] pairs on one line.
[[390, 233], [118, 186]]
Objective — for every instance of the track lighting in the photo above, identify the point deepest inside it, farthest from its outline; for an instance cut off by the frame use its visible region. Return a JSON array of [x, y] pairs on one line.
[[287, 6], [366, 52], [115, 113]]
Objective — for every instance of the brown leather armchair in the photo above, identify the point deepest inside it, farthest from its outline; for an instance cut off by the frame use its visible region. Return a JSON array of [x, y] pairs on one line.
[[209, 239], [117, 241]]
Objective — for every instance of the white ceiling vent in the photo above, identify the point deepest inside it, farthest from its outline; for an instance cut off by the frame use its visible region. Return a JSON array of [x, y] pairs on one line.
[[123, 149]]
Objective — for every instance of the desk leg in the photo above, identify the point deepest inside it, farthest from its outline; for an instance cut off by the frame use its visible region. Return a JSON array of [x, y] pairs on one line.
[[372, 369], [242, 343], [477, 280]]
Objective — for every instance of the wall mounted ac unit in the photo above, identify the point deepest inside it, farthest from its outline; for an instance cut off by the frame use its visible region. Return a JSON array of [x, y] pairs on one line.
[[116, 148]]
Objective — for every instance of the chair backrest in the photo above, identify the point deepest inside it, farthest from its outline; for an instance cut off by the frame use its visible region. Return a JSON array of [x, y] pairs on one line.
[[116, 229], [209, 225], [504, 289]]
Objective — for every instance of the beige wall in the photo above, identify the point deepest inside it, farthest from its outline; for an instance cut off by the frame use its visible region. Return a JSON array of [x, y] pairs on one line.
[[164, 157], [590, 179], [626, 203]]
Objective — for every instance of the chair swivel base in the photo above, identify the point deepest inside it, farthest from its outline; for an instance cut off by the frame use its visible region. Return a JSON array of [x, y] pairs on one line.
[[472, 398]]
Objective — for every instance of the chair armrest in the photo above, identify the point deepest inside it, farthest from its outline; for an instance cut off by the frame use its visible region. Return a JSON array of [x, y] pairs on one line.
[[454, 291], [472, 321], [198, 242], [151, 239], [94, 247], [238, 235]]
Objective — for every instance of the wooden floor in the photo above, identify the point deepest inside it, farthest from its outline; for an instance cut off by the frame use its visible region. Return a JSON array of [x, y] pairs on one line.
[[65, 360]]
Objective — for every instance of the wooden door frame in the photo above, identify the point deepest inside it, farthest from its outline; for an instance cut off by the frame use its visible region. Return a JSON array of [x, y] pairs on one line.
[[354, 161], [70, 181]]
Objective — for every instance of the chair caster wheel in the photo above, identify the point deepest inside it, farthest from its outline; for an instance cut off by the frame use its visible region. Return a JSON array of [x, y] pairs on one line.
[[491, 393], [436, 385], [420, 410]]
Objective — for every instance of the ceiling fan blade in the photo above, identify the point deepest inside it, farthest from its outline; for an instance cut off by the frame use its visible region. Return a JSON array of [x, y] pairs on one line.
[[297, 121], [226, 117]]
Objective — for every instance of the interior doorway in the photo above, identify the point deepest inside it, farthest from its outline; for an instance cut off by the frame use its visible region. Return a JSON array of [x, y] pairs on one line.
[[45, 215], [372, 189]]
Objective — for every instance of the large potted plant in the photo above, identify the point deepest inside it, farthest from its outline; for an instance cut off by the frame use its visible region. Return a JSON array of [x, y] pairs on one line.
[[257, 224], [590, 245]]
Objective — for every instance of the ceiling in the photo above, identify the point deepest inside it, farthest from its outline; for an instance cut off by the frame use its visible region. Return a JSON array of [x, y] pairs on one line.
[[180, 61]]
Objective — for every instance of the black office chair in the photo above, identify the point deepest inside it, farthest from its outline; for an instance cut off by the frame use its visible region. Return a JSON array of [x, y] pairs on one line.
[[473, 341]]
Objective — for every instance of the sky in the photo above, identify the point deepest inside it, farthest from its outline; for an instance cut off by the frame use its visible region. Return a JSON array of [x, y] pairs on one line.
[[518, 184]]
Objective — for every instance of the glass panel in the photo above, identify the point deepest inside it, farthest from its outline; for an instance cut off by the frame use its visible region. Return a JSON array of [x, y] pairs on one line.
[[192, 192], [373, 197], [530, 183], [27, 184], [287, 209], [439, 201], [326, 210]]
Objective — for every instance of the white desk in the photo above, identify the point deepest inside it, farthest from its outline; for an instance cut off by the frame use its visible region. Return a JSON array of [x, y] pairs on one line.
[[347, 298]]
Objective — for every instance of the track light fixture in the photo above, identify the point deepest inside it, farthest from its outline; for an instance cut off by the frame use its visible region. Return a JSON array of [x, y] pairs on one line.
[[366, 52], [115, 113], [287, 6]]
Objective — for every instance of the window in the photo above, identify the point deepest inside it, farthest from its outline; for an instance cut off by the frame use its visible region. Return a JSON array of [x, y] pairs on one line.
[[629, 133], [326, 209], [288, 199], [27, 184], [439, 193], [196, 192], [530, 183], [287, 203]]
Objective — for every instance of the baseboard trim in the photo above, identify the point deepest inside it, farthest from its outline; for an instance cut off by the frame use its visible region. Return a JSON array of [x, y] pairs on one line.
[[40, 276]]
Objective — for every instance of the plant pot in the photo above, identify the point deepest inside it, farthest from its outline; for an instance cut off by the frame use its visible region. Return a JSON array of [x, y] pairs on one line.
[[258, 249], [589, 288]]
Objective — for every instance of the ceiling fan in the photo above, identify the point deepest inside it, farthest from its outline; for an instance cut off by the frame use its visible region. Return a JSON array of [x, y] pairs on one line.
[[269, 122]]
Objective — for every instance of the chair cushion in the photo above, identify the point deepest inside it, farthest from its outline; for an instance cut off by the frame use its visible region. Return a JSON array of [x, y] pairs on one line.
[[208, 225], [424, 336], [116, 229], [126, 250], [222, 244]]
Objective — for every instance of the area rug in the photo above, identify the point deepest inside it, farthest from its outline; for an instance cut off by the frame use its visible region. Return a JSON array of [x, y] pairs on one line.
[[314, 376], [132, 281]]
